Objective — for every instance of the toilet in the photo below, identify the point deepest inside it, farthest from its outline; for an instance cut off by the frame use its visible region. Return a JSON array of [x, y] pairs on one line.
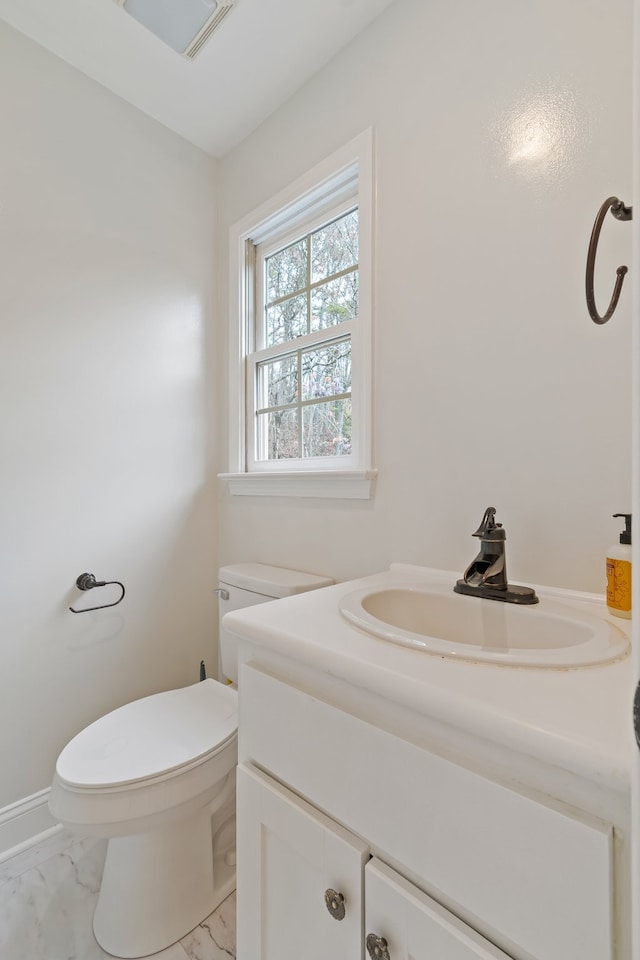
[[156, 778]]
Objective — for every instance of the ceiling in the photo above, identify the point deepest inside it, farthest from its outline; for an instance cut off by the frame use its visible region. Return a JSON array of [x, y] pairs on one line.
[[260, 54]]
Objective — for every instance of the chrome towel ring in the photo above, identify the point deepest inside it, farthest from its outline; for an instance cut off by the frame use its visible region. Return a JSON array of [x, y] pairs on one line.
[[620, 212]]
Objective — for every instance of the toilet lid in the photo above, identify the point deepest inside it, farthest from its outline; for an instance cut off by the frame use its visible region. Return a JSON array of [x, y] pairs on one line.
[[151, 737]]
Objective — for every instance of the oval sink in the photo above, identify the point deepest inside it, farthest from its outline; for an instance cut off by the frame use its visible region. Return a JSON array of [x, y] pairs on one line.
[[434, 619]]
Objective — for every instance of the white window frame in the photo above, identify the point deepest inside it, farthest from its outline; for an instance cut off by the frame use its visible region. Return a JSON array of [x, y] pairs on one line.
[[345, 178]]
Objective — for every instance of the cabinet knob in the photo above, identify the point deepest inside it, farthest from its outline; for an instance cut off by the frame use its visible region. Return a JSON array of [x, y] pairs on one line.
[[377, 947], [334, 902]]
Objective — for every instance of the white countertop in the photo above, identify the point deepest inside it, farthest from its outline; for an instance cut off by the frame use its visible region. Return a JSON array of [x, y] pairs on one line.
[[578, 719]]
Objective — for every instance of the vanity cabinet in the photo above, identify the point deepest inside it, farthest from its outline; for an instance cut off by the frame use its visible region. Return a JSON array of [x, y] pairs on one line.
[[439, 858], [308, 886]]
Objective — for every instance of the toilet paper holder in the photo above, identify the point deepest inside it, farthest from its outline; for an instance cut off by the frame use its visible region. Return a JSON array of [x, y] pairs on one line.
[[87, 581]]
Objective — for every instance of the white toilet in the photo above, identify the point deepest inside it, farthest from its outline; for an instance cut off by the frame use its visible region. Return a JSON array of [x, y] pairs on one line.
[[156, 777]]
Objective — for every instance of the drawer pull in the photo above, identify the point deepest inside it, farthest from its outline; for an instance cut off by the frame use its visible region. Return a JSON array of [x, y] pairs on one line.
[[377, 947], [335, 903]]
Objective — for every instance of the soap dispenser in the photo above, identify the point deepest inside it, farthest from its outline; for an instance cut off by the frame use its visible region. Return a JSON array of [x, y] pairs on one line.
[[619, 572]]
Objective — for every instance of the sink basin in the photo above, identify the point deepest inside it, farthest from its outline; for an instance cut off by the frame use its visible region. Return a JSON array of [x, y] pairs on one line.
[[434, 619]]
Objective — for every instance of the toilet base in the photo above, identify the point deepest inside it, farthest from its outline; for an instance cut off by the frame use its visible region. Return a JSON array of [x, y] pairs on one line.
[[158, 886]]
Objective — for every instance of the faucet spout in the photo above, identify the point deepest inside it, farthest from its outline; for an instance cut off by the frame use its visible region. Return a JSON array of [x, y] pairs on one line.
[[488, 569], [486, 575]]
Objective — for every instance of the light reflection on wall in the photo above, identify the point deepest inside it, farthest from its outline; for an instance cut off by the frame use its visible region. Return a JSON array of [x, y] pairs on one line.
[[540, 137], [180, 347]]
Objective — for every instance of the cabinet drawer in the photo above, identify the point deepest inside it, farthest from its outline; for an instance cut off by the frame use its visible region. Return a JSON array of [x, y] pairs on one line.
[[413, 926], [535, 880]]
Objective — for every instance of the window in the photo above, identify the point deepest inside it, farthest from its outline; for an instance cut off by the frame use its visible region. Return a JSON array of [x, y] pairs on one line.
[[301, 354], [306, 302]]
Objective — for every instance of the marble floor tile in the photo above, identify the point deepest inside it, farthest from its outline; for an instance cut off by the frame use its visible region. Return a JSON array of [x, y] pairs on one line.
[[215, 938], [57, 841], [46, 911]]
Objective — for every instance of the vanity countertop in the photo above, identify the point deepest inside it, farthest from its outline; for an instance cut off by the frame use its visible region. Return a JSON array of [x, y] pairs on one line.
[[577, 719]]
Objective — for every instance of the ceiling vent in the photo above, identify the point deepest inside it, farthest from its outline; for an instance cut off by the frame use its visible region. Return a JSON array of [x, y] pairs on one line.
[[185, 25]]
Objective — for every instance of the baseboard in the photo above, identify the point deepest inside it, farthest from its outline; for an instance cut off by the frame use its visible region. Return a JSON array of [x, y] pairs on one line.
[[24, 822]]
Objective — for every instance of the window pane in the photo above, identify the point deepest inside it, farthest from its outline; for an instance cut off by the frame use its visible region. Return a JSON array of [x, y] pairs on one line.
[[326, 371], [278, 382], [334, 247], [287, 320], [279, 431], [327, 429], [286, 271], [334, 302]]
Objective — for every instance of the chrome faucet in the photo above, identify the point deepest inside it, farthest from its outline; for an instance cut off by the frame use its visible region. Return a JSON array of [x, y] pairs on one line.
[[486, 576]]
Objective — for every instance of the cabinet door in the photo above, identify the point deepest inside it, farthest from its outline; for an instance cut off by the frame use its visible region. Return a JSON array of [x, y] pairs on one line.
[[402, 923], [299, 891]]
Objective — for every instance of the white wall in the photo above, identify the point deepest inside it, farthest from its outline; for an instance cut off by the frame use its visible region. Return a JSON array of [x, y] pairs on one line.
[[501, 127], [106, 434]]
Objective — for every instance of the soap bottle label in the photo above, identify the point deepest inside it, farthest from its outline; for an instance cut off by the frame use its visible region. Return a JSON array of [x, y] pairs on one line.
[[619, 584]]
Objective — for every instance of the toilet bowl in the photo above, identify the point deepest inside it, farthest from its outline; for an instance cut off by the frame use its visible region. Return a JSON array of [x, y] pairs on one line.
[[156, 778]]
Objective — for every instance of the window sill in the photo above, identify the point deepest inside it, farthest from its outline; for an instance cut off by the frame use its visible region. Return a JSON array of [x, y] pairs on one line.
[[336, 485]]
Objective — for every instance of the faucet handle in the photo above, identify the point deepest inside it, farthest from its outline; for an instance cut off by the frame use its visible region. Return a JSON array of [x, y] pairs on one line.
[[489, 529]]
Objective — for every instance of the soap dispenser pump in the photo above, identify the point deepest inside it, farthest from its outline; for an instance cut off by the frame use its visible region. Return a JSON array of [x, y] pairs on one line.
[[619, 572]]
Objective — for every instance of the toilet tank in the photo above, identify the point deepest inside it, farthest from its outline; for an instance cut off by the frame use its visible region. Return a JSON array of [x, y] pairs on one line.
[[245, 584]]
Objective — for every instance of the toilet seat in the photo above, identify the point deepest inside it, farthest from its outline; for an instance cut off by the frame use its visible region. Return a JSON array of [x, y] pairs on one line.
[[148, 761], [151, 738]]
